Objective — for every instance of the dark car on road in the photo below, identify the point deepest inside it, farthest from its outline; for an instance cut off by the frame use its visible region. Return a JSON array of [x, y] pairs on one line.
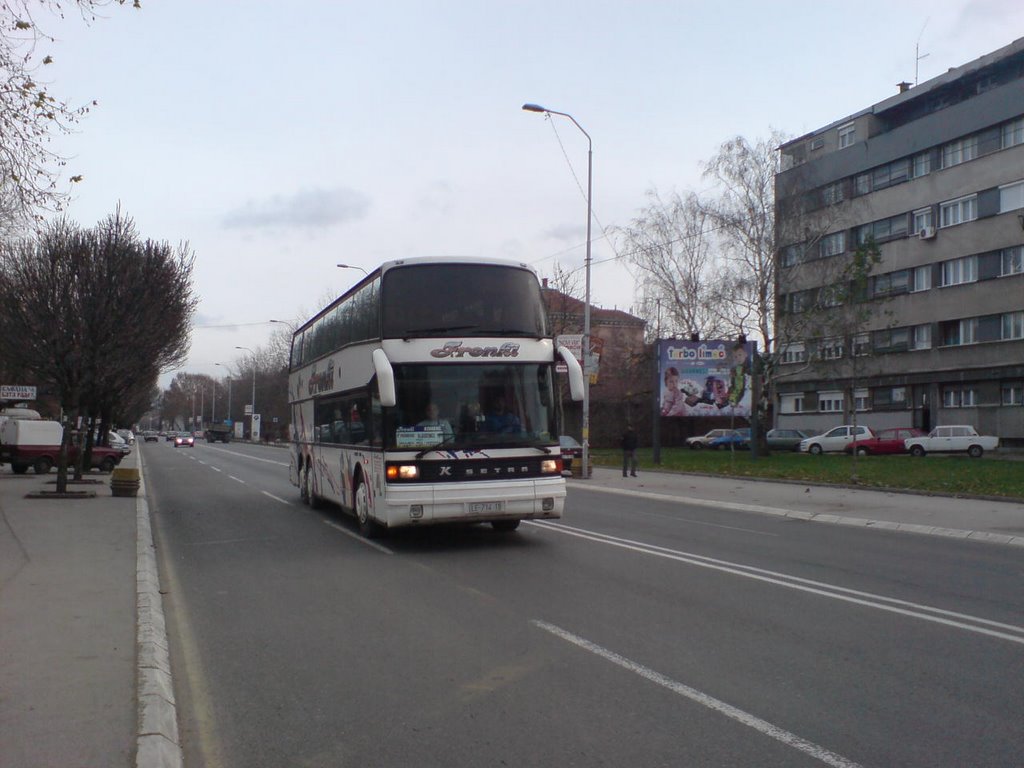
[[571, 449]]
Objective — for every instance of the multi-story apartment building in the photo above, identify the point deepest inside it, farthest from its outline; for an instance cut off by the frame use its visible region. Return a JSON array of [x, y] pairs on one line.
[[934, 177]]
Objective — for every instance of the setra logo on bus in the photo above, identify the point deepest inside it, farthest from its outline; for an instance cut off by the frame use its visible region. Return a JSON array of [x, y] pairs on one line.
[[455, 349]]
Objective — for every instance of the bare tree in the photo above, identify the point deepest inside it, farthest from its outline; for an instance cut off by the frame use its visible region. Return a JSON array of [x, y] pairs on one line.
[[29, 113], [39, 328], [668, 248], [741, 210], [96, 314]]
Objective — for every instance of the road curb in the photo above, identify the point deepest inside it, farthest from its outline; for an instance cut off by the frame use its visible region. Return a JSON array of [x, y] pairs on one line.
[[157, 743]]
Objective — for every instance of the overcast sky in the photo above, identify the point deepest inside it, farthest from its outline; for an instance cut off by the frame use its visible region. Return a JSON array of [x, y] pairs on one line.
[[279, 139]]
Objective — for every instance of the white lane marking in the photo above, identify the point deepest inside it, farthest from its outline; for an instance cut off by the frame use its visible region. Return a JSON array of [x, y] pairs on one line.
[[745, 718], [237, 479], [276, 498], [216, 469], [246, 456], [357, 537], [868, 599]]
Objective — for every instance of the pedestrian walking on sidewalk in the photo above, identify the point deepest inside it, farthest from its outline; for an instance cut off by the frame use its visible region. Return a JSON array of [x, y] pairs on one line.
[[629, 451]]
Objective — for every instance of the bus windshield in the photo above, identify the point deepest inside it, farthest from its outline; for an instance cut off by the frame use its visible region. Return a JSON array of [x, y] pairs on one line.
[[472, 406], [443, 300]]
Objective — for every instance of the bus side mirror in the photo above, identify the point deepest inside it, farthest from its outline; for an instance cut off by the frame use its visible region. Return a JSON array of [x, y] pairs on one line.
[[575, 373], [385, 378]]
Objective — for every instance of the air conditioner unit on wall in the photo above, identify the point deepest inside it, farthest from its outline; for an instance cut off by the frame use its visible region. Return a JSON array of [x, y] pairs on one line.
[[926, 233]]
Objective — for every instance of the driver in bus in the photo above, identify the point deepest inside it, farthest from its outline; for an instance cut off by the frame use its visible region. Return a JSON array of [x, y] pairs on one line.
[[435, 421], [500, 419]]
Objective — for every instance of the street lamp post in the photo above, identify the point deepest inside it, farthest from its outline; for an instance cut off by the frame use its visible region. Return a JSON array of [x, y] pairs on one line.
[[352, 266], [586, 305], [253, 403]]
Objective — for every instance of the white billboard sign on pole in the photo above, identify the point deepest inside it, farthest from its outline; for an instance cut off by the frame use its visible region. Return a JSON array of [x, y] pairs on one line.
[[17, 392]]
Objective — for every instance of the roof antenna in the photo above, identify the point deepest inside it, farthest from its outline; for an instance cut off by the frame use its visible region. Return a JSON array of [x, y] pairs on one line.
[[917, 51]]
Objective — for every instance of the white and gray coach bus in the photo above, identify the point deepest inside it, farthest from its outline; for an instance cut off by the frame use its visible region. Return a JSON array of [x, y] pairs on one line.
[[426, 394]]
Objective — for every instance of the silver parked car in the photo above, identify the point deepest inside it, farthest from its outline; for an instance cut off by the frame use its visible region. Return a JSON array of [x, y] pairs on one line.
[[786, 439], [835, 440]]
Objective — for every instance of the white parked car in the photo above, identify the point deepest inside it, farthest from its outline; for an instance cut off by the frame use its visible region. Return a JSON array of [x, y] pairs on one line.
[[835, 440], [957, 438], [701, 441]]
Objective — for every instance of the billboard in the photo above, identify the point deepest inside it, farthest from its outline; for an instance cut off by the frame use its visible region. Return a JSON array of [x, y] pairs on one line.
[[705, 378]]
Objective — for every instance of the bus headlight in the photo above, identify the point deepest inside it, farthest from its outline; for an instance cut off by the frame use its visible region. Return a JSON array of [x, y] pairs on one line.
[[551, 467], [403, 472]]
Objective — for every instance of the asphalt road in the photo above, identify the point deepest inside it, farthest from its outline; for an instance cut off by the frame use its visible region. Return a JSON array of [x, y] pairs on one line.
[[632, 632]]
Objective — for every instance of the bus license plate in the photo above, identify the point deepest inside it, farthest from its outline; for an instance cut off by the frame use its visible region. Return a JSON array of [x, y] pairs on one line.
[[486, 507]]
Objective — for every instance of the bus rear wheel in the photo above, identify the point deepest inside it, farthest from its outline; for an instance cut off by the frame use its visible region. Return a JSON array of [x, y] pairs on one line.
[[308, 496], [368, 527]]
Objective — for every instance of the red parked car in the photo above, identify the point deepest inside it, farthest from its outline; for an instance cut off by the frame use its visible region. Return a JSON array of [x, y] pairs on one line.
[[884, 441]]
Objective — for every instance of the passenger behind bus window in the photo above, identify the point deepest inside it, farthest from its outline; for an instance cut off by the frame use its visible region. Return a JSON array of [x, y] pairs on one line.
[[434, 420], [499, 418]]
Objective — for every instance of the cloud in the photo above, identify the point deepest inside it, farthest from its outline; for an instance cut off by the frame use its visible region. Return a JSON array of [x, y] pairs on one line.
[[567, 233], [310, 209]]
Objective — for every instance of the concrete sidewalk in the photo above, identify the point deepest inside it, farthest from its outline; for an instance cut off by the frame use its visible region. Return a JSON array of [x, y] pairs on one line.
[[77, 669], [997, 522]]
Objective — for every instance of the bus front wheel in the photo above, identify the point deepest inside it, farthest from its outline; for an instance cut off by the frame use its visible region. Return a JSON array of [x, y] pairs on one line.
[[368, 527]]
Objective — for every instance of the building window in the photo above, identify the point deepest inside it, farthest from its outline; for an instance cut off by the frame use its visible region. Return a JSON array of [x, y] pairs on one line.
[[791, 403], [923, 218], [794, 353], [883, 230], [959, 271], [831, 349], [922, 337], [922, 164], [832, 245], [892, 173], [1011, 261], [832, 194], [790, 255], [1013, 325], [1013, 133], [891, 283], [862, 184], [1011, 197], [830, 402], [892, 340], [922, 278], [862, 344], [798, 301], [860, 399], [1012, 394], [959, 151], [959, 397], [956, 333], [958, 211], [847, 135]]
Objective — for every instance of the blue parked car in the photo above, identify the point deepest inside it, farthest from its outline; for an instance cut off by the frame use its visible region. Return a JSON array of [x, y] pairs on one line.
[[737, 439]]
